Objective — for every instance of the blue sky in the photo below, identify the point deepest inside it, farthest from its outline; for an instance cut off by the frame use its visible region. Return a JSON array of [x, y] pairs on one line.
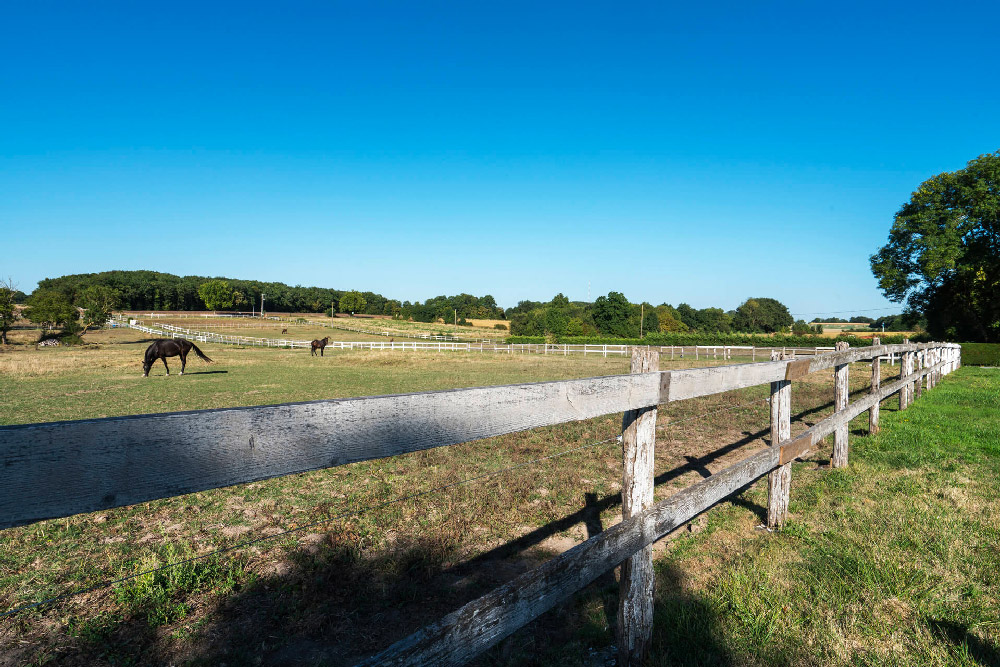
[[679, 153]]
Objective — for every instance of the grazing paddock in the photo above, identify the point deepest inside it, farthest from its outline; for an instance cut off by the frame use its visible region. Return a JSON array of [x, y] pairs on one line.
[[263, 329], [336, 592]]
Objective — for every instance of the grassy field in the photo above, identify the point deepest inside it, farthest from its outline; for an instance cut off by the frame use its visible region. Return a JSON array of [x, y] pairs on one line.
[[824, 591], [265, 330], [834, 329]]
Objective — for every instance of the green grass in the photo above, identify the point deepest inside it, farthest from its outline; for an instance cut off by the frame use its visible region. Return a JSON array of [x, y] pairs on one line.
[[891, 561], [58, 383]]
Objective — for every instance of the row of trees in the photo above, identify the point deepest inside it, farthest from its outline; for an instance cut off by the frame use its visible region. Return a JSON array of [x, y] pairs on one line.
[[447, 308], [151, 290], [614, 315], [91, 308]]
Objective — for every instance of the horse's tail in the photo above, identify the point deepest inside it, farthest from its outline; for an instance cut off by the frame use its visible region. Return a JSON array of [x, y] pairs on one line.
[[201, 355]]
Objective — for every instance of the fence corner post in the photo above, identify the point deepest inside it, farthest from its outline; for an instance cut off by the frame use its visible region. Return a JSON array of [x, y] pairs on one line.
[[635, 601], [779, 482], [873, 426], [841, 393]]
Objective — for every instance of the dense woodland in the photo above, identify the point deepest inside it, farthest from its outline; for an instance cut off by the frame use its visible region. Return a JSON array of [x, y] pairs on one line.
[[151, 290]]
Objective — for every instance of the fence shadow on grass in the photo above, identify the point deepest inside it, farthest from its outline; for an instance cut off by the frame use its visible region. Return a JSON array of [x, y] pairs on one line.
[[331, 603], [982, 651]]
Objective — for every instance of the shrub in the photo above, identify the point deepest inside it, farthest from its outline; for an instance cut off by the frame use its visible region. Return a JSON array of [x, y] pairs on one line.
[[500, 327]]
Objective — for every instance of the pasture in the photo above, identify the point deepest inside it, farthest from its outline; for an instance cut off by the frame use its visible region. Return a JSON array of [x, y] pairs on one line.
[[884, 562], [265, 329]]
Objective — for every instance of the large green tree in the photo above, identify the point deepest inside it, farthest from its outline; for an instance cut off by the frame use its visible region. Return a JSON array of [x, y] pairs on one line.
[[53, 309], [8, 313], [98, 302], [217, 294], [353, 302], [943, 254], [761, 315], [612, 315]]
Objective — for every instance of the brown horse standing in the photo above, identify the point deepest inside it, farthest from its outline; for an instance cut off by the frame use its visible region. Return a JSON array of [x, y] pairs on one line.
[[321, 344], [165, 347]]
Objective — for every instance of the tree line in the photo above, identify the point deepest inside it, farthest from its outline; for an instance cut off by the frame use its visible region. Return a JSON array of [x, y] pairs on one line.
[[614, 315]]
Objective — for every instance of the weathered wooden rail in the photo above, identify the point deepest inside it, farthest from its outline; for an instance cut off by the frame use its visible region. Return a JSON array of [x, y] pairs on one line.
[[58, 469]]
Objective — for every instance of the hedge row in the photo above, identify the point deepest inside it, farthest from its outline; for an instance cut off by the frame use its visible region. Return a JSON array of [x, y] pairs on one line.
[[716, 339], [981, 354]]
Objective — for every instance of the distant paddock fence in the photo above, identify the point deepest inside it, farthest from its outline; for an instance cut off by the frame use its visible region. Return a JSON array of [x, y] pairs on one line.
[[674, 352], [381, 331], [58, 469]]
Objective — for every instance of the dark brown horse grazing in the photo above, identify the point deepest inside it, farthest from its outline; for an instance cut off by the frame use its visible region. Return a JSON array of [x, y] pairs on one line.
[[321, 344], [165, 347]]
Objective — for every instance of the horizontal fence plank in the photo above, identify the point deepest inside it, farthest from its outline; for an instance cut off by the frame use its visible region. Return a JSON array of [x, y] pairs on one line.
[[465, 633], [62, 468], [694, 382], [805, 442]]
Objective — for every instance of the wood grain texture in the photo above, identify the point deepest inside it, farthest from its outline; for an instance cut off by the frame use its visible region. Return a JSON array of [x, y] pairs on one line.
[[873, 415], [779, 482], [694, 382], [905, 369], [63, 468], [840, 400], [636, 584], [463, 634]]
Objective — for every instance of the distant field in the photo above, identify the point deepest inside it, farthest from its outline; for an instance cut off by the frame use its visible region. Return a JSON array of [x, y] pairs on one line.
[[489, 324], [257, 329], [834, 329]]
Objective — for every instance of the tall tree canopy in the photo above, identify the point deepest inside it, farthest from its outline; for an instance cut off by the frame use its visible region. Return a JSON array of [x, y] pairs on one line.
[[98, 302], [761, 315], [8, 313], [217, 294], [53, 309], [943, 254], [353, 302]]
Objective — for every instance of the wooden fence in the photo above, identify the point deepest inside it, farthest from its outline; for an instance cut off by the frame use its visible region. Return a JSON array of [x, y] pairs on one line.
[[59, 469]]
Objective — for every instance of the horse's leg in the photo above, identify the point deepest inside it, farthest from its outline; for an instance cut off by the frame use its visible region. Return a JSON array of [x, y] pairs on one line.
[[183, 361], [164, 360], [323, 347]]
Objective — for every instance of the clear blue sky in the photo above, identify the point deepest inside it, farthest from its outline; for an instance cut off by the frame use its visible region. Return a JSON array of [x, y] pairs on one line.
[[673, 152]]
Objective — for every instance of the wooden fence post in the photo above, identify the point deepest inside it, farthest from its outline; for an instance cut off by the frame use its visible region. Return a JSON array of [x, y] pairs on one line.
[[635, 602], [779, 482], [876, 382], [905, 369], [841, 395], [918, 386]]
